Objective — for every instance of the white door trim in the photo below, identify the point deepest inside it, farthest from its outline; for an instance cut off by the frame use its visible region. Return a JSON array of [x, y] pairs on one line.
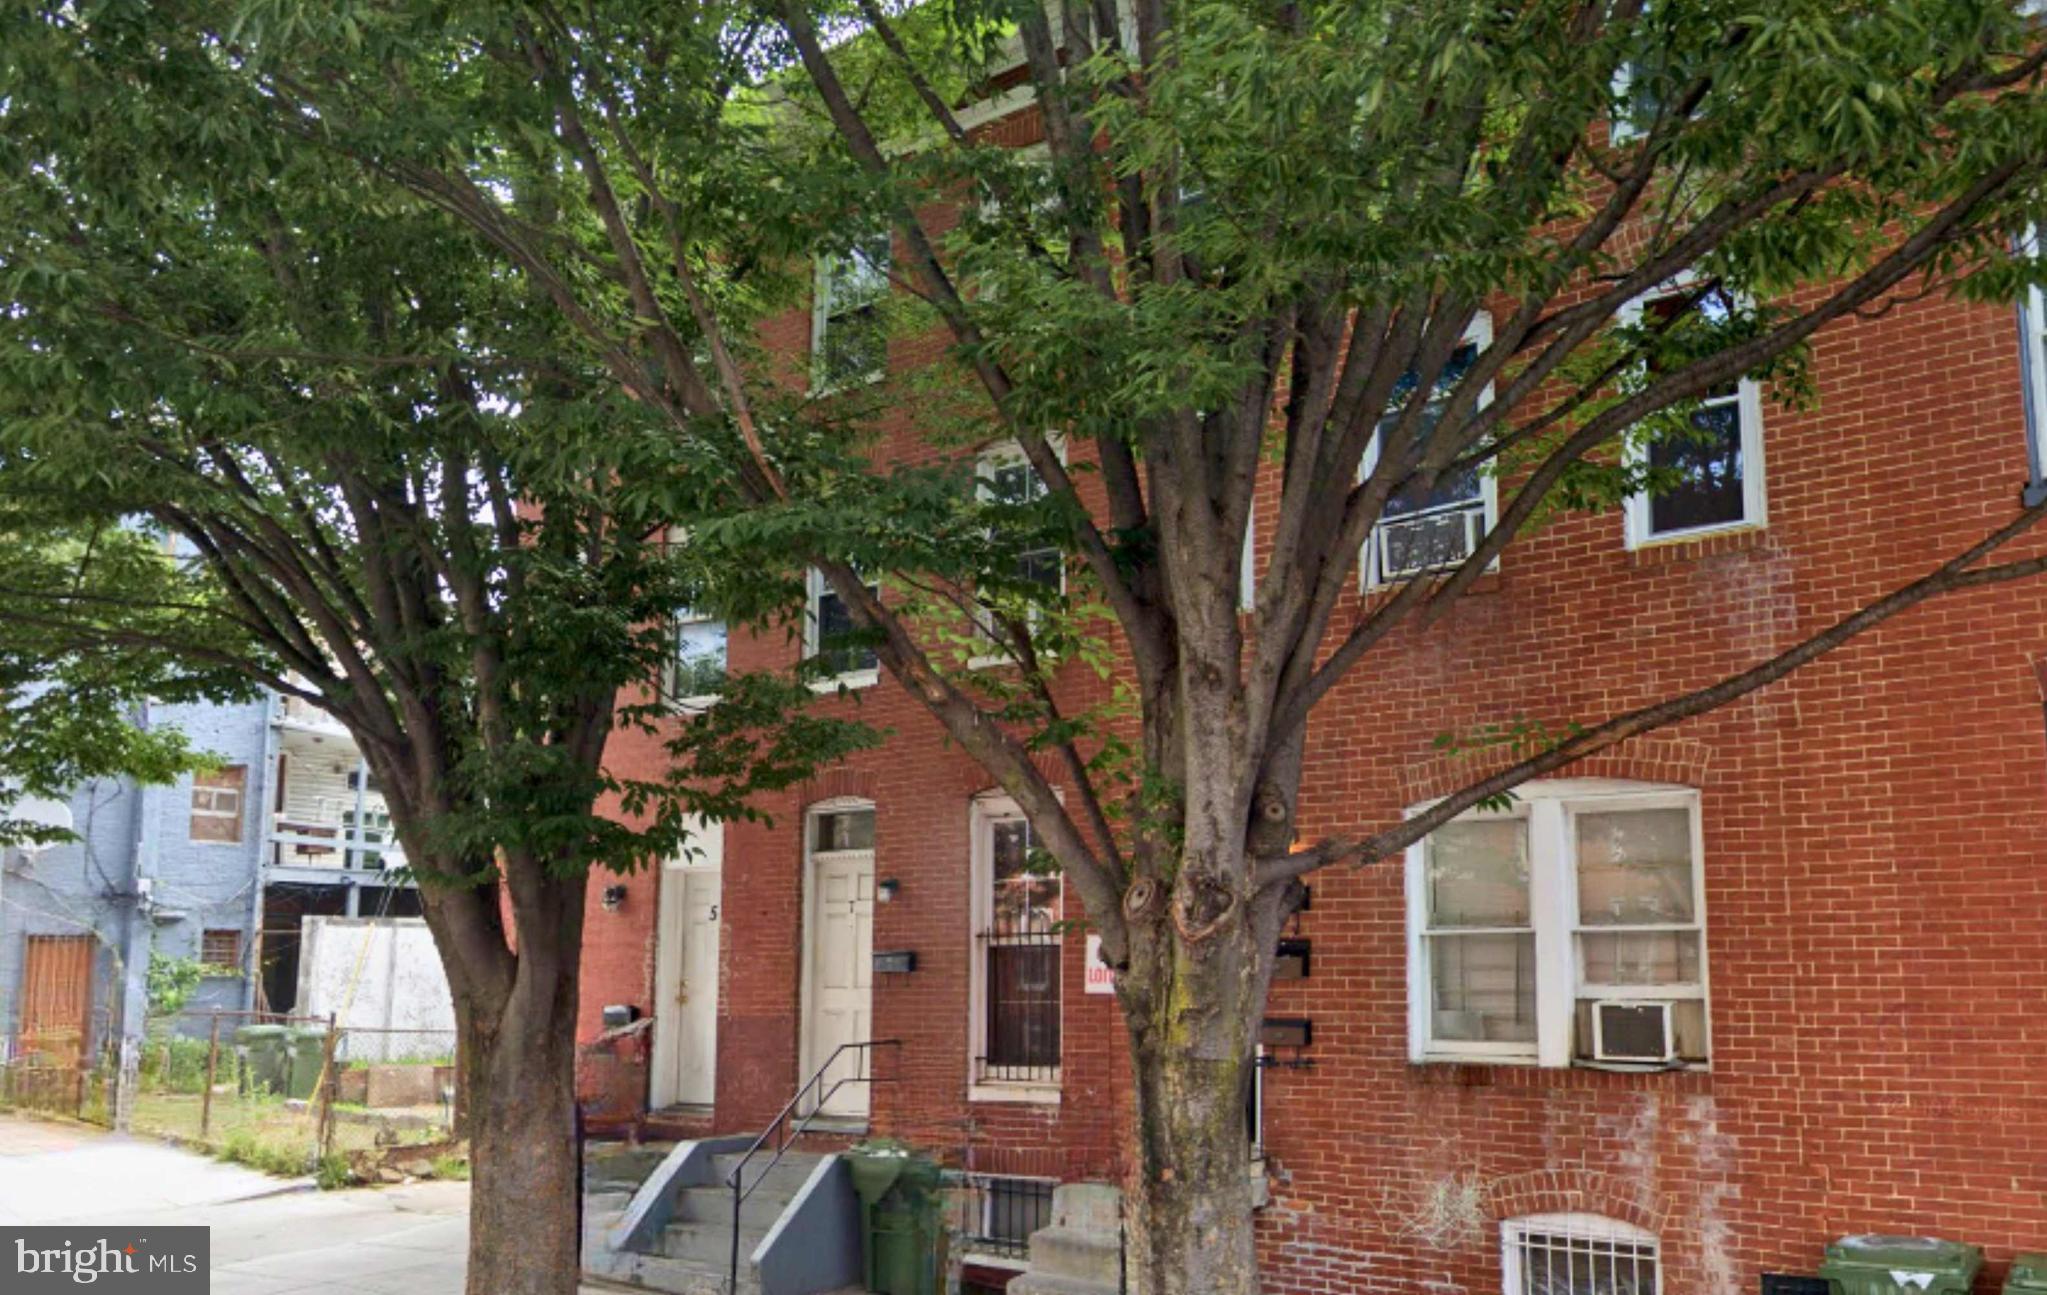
[[853, 1100]]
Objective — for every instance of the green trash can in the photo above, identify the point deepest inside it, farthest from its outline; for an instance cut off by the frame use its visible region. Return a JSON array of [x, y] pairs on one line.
[[306, 1049], [267, 1065], [902, 1237], [1880, 1265], [2028, 1276]]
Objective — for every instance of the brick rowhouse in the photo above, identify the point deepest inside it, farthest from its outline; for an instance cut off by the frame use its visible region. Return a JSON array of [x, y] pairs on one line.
[[1871, 863]]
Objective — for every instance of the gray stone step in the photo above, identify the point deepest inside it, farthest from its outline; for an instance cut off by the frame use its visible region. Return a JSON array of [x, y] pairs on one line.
[[714, 1205], [785, 1178], [710, 1243]]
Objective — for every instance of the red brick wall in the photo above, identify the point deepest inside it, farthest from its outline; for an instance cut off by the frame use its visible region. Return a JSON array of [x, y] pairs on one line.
[[1874, 874]]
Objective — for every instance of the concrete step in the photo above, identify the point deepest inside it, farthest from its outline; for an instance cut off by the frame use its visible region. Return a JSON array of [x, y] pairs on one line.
[[670, 1276], [709, 1243], [613, 1166], [786, 1177], [714, 1205]]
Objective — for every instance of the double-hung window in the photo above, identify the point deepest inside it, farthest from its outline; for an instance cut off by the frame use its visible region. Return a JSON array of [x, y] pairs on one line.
[[1008, 485], [1578, 1254], [1019, 913], [827, 626], [1567, 930], [2033, 364], [696, 671], [1706, 475], [849, 325], [1433, 528]]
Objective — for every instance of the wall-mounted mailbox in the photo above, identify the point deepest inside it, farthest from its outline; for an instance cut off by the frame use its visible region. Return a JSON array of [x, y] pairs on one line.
[[619, 1015], [1291, 962], [1786, 1284], [895, 960], [1287, 1032]]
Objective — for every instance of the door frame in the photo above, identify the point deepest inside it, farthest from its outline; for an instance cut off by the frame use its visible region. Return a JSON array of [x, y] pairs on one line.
[[807, 1061], [665, 1056]]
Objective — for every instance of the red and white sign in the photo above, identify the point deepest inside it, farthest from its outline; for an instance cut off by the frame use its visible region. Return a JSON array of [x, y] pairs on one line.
[[1100, 979]]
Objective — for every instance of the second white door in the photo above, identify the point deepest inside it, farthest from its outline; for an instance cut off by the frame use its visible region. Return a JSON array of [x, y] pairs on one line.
[[839, 988]]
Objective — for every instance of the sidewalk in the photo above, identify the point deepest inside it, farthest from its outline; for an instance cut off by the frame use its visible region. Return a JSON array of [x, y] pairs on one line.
[[271, 1236]]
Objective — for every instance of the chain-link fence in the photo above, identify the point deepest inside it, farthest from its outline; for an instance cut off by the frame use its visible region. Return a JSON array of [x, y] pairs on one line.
[[292, 1093]]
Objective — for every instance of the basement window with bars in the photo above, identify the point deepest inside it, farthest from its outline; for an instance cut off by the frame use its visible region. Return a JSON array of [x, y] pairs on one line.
[[1578, 1254], [1019, 917], [1430, 529], [997, 1214], [1566, 930], [221, 952]]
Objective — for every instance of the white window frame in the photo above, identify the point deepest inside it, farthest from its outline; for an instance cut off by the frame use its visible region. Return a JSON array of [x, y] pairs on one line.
[[1004, 454], [821, 313], [1748, 399], [698, 702], [816, 588], [1550, 808], [2033, 368], [1594, 1228], [982, 815], [671, 670], [1480, 335]]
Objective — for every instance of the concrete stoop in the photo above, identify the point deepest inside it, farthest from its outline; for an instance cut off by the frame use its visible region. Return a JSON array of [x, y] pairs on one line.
[[798, 1227], [1081, 1251]]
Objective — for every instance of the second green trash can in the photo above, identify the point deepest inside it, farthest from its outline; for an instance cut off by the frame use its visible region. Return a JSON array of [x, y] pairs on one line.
[[2028, 1276], [306, 1052], [1880, 1265], [902, 1237], [268, 1067]]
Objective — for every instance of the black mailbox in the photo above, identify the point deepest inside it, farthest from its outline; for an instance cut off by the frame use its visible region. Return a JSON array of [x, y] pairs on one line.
[[1287, 1032], [1291, 962], [895, 960], [619, 1015]]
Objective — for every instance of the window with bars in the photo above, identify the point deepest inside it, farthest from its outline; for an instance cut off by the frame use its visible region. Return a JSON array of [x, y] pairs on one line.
[[217, 804], [997, 1214], [1578, 1254], [1019, 923], [221, 951]]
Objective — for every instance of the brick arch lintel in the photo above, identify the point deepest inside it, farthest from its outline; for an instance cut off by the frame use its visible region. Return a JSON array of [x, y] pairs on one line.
[[1683, 761], [840, 782], [974, 780], [1576, 1191]]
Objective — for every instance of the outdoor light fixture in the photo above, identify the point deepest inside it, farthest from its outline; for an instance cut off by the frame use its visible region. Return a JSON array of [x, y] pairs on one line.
[[614, 898], [885, 890]]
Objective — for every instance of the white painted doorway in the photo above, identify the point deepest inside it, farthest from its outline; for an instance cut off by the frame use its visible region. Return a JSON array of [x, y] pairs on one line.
[[686, 974], [838, 951]]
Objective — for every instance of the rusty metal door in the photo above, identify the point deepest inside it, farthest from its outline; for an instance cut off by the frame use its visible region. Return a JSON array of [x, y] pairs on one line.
[[56, 1000]]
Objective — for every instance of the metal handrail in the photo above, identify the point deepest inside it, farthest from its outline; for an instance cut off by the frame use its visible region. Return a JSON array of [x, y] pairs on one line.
[[786, 1133]]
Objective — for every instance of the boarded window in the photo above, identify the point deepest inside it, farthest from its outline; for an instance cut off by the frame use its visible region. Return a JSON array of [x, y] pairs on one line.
[[217, 803]]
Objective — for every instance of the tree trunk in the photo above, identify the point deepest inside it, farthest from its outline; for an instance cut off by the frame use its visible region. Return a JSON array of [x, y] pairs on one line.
[[1193, 1008], [522, 1153]]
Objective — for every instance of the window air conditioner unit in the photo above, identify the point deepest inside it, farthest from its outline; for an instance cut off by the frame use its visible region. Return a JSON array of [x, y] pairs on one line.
[[1631, 1030]]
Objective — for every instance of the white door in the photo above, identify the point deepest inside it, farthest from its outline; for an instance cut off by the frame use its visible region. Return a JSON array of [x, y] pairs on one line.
[[839, 985], [686, 976]]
